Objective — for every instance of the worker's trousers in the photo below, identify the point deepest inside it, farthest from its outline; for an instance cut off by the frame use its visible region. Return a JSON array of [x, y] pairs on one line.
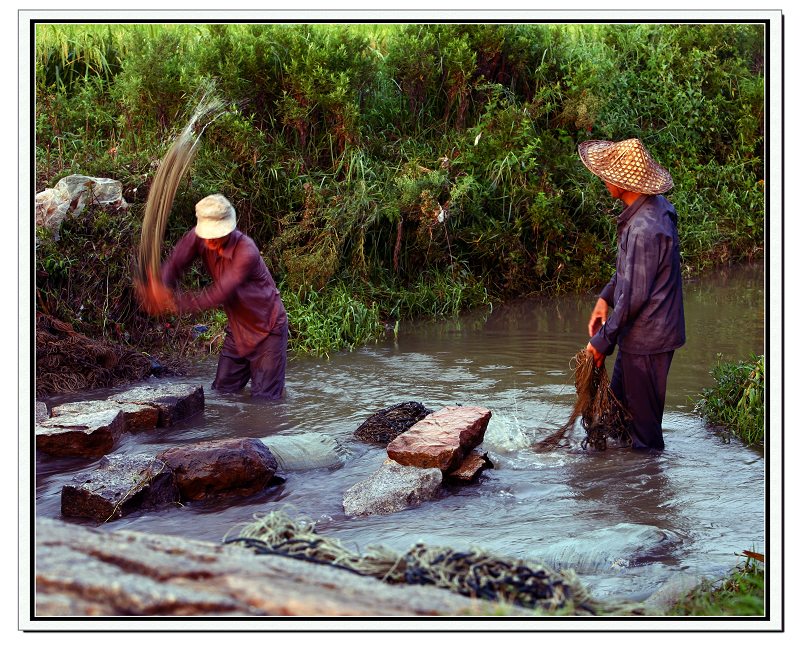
[[265, 368], [640, 382]]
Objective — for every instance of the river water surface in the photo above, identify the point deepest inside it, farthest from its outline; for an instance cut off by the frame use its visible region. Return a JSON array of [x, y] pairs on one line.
[[626, 522]]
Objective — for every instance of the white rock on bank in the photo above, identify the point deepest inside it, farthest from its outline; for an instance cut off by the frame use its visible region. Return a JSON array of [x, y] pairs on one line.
[[394, 487]]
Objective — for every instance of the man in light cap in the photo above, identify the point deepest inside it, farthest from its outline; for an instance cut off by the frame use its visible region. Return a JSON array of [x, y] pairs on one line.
[[647, 321], [256, 335]]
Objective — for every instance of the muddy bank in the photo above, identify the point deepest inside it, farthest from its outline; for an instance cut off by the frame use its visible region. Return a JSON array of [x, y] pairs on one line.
[[68, 361]]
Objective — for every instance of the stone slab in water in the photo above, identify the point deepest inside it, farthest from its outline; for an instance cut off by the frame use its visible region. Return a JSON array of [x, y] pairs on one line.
[[392, 488], [442, 439], [82, 571], [121, 485], [385, 425], [88, 435], [239, 466], [471, 468], [138, 417], [306, 451], [41, 413], [174, 402]]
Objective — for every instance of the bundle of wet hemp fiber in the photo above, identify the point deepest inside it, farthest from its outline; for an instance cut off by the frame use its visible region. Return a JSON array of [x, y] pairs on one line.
[[177, 160], [602, 415]]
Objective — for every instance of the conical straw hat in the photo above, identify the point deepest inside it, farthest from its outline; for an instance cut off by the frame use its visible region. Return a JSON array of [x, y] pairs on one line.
[[626, 164]]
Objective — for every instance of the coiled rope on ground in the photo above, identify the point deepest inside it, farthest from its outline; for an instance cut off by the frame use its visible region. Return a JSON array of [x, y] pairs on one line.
[[473, 573]]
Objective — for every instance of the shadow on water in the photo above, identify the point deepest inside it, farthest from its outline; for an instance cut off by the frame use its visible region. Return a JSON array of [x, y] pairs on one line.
[[626, 521]]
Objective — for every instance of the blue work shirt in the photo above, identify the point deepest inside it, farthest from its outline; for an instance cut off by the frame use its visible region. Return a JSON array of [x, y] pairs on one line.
[[645, 291]]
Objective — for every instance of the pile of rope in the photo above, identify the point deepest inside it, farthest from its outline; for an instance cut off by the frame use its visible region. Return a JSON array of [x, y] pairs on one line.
[[67, 361], [602, 415], [474, 574]]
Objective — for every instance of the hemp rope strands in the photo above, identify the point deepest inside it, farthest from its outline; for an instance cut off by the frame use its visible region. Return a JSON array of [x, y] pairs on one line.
[[473, 574], [165, 184], [601, 413]]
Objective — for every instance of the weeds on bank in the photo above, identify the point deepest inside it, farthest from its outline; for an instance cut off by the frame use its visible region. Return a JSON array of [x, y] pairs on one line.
[[435, 162], [740, 594], [736, 401]]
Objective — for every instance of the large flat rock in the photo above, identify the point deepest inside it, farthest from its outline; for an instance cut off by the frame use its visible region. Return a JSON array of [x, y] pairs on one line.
[[122, 484], [238, 466], [392, 488], [174, 402], [82, 571], [385, 425], [443, 439], [89, 435], [138, 417]]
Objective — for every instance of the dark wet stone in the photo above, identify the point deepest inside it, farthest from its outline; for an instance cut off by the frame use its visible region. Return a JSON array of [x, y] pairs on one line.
[[240, 466], [174, 402], [385, 425], [89, 435], [121, 485]]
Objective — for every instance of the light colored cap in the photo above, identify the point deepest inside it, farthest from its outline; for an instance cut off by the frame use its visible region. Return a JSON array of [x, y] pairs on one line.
[[626, 164], [216, 217]]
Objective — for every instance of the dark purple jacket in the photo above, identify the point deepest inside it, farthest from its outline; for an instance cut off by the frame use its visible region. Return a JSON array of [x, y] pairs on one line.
[[242, 285], [645, 291]]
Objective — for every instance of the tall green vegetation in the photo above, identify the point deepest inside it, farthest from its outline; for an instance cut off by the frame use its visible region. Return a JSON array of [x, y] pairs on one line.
[[382, 158], [736, 401]]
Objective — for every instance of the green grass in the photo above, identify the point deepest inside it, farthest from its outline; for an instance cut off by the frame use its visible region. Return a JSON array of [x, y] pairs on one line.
[[740, 594], [321, 322], [736, 401]]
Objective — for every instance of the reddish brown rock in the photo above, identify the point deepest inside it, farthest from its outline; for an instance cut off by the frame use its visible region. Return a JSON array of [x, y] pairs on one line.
[[442, 439], [138, 417], [471, 468], [122, 484], [89, 435], [240, 466]]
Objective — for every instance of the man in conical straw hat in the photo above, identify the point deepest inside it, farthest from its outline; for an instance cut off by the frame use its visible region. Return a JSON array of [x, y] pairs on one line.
[[256, 336], [645, 292]]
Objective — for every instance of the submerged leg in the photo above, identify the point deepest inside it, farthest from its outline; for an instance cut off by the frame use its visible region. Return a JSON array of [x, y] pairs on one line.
[[269, 366], [233, 372], [640, 383]]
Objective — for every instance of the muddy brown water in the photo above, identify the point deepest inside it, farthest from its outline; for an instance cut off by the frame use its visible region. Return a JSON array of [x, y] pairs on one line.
[[626, 522]]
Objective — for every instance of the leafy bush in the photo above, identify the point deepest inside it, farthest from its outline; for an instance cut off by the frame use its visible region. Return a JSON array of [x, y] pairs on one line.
[[380, 154], [736, 402]]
